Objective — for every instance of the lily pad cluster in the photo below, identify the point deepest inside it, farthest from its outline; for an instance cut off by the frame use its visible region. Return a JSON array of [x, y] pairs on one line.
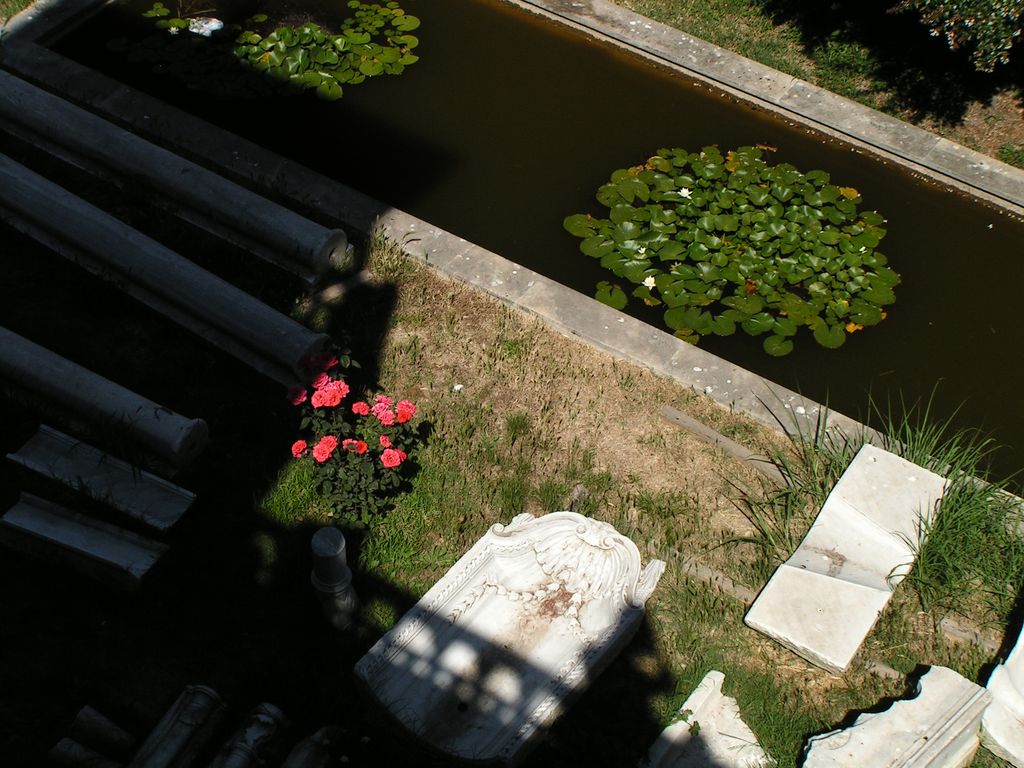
[[727, 241], [374, 40]]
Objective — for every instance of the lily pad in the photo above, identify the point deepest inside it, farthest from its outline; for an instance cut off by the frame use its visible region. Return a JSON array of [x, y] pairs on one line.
[[611, 294]]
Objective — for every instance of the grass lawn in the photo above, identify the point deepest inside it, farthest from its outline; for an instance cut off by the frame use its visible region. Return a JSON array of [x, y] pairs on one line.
[[862, 51]]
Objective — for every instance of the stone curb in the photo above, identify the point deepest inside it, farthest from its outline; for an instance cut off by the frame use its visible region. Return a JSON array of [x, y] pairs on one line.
[[798, 100]]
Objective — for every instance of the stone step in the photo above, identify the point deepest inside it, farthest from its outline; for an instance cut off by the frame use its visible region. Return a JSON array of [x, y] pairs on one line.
[[141, 495], [103, 551]]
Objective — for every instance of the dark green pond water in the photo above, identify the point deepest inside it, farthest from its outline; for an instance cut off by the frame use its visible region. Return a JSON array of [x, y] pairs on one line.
[[510, 122]]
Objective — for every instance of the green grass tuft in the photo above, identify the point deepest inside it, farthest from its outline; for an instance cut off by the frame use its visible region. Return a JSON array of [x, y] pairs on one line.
[[1012, 154]]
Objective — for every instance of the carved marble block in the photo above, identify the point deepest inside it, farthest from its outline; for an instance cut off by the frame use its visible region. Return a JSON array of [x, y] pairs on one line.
[[710, 733], [103, 551], [1002, 726], [937, 729], [490, 656], [823, 601], [139, 494]]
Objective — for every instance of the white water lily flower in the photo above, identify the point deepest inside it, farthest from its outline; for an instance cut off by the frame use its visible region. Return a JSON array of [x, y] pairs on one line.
[[684, 192], [641, 250], [649, 281], [173, 30]]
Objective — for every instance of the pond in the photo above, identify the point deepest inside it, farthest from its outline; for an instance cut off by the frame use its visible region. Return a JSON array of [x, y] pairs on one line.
[[509, 122]]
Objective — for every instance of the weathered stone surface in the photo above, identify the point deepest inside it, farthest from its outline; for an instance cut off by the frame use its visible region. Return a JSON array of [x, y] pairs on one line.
[[94, 729], [315, 751], [710, 733], [937, 729], [823, 601], [1002, 726], [214, 309], [106, 552], [69, 753], [192, 192], [99, 401], [139, 494], [523, 621], [332, 578], [256, 742], [184, 730]]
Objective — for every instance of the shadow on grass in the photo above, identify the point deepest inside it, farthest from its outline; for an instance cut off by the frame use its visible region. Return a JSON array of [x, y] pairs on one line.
[[230, 606], [861, 46]]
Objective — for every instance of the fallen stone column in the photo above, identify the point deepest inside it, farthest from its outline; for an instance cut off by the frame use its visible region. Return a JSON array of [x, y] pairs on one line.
[[256, 742], [260, 336], [183, 732], [222, 207], [314, 751], [70, 754], [99, 401], [96, 730]]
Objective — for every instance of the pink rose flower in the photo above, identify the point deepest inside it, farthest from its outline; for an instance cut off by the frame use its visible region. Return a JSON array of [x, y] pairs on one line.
[[322, 451], [354, 446], [361, 408], [385, 441], [296, 395], [392, 457], [299, 448], [385, 417], [330, 394], [405, 411], [383, 400], [320, 380]]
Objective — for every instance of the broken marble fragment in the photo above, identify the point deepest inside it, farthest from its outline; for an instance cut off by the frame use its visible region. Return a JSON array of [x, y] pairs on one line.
[[1002, 726], [103, 551], [141, 495], [710, 733], [936, 729], [823, 601]]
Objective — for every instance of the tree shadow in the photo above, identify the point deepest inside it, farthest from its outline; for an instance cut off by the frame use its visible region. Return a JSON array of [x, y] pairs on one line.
[[925, 78], [230, 605]]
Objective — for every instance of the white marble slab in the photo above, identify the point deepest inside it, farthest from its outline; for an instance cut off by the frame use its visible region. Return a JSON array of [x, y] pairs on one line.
[[823, 601], [937, 729], [139, 494], [104, 551], [1002, 726], [520, 624], [709, 733]]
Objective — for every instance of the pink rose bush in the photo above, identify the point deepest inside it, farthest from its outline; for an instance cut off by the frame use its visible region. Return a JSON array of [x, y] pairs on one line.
[[360, 450]]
